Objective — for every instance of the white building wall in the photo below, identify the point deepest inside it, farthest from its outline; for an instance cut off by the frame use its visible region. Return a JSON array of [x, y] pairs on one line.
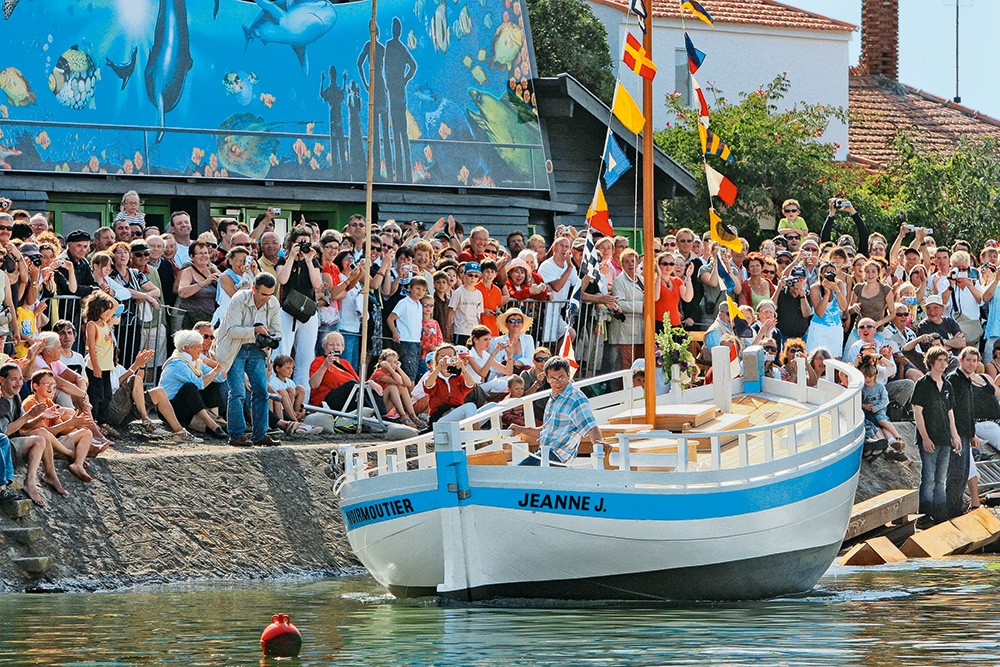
[[740, 58]]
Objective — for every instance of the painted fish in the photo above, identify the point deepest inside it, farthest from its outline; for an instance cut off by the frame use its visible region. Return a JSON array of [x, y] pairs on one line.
[[169, 59], [429, 154], [488, 21], [479, 74], [74, 78], [232, 83], [42, 139], [507, 43], [505, 120], [297, 23], [420, 172], [440, 35], [467, 61], [197, 155], [411, 40], [267, 99], [463, 26], [412, 127], [13, 83], [8, 7], [244, 154], [6, 152], [463, 175]]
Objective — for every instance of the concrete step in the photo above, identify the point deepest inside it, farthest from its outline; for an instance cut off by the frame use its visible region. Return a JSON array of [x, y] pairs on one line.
[[17, 509], [34, 564], [23, 536]]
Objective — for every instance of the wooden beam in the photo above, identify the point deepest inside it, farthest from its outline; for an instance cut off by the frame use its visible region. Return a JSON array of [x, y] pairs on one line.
[[884, 508], [943, 539], [877, 551]]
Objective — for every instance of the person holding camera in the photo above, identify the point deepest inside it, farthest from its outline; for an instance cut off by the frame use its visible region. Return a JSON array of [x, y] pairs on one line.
[[837, 205], [965, 293], [943, 330], [300, 276], [793, 308], [249, 332], [828, 297], [448, 383]]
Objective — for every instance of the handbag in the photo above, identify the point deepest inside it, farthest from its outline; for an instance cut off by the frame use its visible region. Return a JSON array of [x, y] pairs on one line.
[[298, 305]]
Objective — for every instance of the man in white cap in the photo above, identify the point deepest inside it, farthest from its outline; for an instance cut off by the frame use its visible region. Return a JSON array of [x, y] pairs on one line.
[[943, 329]]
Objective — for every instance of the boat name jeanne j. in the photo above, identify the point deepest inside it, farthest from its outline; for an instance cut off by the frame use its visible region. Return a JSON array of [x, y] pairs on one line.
[[561, 501], [379, 510]]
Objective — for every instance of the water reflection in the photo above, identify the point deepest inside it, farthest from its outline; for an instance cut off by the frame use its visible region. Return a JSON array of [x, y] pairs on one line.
[[938, 613]]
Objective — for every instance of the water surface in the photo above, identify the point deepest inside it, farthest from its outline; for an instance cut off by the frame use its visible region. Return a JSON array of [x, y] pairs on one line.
[[944, 612]]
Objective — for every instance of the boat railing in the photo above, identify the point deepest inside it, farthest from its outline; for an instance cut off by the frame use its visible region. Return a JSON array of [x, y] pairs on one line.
[[837, 413], [418, 451]]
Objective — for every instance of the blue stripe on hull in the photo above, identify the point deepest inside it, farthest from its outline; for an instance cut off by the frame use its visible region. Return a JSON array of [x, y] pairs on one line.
[[668, 504], [751, 579]]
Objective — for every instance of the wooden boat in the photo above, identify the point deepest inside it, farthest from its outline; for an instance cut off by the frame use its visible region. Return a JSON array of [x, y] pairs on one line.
[[747, 497]]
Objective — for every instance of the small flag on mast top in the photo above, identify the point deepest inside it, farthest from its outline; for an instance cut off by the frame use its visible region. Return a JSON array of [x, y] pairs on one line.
[[720, 186], [639, 9], [699, 11], [616, 163], [627, 111], [695, 57], [597, 215], [636, 59]]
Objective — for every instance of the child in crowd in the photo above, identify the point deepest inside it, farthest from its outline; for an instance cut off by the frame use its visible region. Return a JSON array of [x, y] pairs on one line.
[[406, 324], [515, 415], [289, 410], [430, 333], [493, 296], [101, 313], [396, 387], [878, 428], [466, 304], [442, 296]]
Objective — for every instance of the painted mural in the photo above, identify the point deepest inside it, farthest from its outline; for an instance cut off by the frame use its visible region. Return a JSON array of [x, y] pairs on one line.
[[271, 89]]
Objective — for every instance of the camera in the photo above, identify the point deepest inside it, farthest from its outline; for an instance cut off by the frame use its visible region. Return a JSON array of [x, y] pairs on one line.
[[869, 359], [267, 341], [35, 259], [791, 282], [830, 275], [841, 203], [618, 315], [305, 246], [276, 210], [421, 226]]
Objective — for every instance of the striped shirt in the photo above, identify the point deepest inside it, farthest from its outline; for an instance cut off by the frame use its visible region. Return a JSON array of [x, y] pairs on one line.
[[568, 417]]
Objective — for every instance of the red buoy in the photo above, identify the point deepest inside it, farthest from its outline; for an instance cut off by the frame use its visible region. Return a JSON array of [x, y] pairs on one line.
[[281, 639]]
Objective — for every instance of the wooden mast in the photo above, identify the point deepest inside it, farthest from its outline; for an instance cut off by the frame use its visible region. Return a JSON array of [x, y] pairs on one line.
[[369, 177], [648, 230]]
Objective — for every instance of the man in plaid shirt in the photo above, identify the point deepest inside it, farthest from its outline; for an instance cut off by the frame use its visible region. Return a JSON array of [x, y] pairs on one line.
[[568, 417]]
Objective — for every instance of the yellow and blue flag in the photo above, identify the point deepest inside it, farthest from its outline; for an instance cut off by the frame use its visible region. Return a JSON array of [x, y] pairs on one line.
[[740, 325], [616, 163], [711, 144], [699, 11]]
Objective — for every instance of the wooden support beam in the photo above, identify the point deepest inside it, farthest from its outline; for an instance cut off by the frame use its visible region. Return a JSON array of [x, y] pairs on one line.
[[943, 539], [876, 551], [884, 508]]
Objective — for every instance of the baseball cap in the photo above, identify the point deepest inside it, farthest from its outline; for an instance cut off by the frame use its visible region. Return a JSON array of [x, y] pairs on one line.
[[933, 300], [473, 267]]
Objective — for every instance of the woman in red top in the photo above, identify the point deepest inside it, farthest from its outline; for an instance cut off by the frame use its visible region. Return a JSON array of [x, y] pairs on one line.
[[672, 289], [331, 377]]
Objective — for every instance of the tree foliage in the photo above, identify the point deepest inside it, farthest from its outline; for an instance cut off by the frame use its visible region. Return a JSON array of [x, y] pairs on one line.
[[569, 38], [776, 156]]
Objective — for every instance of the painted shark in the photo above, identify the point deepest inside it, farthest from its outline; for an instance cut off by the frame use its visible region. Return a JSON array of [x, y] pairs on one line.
[[296, 23]]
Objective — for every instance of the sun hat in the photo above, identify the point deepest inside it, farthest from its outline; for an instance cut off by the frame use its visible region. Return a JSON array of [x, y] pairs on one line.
[[502, 320]]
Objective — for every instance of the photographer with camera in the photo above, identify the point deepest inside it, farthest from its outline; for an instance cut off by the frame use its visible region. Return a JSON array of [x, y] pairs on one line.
[[300, 277], [828, 296], [448, 383], [250, 330], [793, 309], [966, 296], [838, 205]]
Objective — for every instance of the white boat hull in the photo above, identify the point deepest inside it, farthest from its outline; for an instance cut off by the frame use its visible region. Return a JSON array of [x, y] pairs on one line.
[[520, 533]]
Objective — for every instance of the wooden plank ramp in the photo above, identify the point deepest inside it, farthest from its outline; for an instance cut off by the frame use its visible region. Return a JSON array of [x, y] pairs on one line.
[[874, 513]]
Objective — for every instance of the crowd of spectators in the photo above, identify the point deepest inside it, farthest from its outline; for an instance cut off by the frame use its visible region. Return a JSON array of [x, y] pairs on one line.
[[186, 325]]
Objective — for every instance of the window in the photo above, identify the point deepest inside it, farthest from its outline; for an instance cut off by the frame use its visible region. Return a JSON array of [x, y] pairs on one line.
[[681, 78]]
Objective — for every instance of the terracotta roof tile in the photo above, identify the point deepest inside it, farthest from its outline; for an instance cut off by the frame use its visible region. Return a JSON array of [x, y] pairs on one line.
[[747, 12], [881, 108]]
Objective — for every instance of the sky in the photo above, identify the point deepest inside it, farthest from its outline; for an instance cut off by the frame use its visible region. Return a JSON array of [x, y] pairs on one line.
[[927, 45]]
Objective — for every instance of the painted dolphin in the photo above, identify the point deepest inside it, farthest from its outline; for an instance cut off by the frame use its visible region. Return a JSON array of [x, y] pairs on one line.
[[124, 70], [169, 59], [296, 23]]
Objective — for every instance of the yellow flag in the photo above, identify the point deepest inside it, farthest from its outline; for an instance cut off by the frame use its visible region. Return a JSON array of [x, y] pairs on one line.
[[627, 111], [721, 233]]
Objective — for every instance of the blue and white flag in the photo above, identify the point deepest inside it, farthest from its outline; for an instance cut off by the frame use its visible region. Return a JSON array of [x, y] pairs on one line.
[[639, 9], [615, 161]]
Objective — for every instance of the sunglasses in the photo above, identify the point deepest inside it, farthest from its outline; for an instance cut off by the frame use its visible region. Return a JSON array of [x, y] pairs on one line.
[[541, 359], [671, 244], [867, 326], [7, 227], [784, 260], [792, 236], [790, 210], [490, 252], [768, 272], [666, 263], [376, 248], [141, 253], [770, 348], [208, 337]]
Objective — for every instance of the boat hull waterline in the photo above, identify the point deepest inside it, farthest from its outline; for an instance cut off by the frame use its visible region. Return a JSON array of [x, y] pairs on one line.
[[520, 533]]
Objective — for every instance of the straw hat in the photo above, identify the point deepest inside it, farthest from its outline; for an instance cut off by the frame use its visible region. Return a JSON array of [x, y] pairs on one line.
[[502, 320]]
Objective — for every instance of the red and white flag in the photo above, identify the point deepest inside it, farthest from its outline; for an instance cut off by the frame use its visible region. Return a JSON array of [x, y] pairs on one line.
[[720, 186], [566, 352]]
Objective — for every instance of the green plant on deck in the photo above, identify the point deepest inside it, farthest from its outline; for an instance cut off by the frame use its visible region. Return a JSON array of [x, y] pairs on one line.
[[674, 345], [776, 151], [568, 38]]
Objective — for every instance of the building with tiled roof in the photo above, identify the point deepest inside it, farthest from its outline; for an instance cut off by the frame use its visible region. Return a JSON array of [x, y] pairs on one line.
[[881, 107], [751, 43]]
